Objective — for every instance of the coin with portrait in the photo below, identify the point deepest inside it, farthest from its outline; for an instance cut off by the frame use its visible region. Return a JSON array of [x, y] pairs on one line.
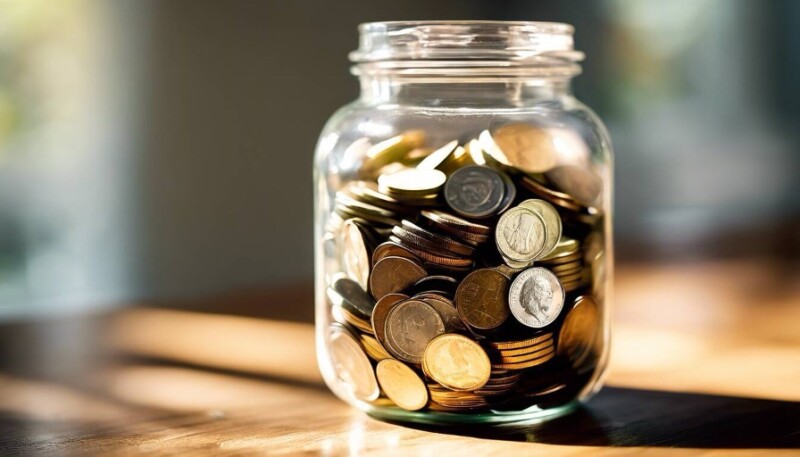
[[410, 325], [536, 297]]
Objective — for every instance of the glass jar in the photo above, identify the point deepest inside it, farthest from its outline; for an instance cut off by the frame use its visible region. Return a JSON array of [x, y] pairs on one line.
[[463, 227]]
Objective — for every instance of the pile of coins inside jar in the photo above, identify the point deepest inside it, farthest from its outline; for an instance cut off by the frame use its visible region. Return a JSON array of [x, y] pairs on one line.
[[467, 277]]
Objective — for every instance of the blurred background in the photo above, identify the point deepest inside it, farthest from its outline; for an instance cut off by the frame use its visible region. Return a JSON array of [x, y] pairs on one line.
[[162, 150]]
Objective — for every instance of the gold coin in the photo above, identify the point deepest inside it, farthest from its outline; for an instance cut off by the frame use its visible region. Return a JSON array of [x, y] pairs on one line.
[[525, 147], [373, 348], [438, 157], [566, 246], [525, 365], [392, 150], [544, 352], [351, 365], [413, 181], [402, 385], [526, 350], [521, 343], [580, 329], [457, 362]]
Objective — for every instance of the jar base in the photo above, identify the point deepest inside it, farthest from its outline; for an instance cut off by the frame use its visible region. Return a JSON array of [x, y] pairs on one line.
[[530, 416]]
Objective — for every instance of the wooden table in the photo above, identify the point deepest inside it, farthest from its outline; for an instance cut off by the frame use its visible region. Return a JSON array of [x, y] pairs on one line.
[[705, 361]]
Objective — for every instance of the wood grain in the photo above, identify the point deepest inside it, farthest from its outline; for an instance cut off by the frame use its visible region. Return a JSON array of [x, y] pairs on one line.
[[707, 366]]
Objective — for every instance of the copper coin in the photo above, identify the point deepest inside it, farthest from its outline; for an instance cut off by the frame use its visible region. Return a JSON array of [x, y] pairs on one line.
[[579, 331], [391, 249], [394, 274], [379, 313], [422, 243], [448, 243], [448, 312], [481, 299], [445, 261], [436, 283], [448, 220]]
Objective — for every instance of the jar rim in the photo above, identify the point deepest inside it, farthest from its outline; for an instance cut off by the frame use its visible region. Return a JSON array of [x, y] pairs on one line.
[[517, 42]]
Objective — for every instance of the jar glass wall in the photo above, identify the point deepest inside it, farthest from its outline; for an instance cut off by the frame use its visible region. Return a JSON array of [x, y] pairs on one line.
[[463, 227]]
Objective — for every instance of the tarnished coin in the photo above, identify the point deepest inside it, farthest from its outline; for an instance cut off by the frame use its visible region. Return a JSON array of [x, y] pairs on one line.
[[402, 385], [355, 253], [552, 223], [481, 299], [381, 311], [579, 181], [579, 331], [392, 150], [457, 362], [410, 326], [442, 284], [536, 297], [438, 157], [437, 259], [521, 234], [394, 274], [475, 191], [412, 181], [450, 244], [354, 297], [448, 311], [351, 364], [526, 147]]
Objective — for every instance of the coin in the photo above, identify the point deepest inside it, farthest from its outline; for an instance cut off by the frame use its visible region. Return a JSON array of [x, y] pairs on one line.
[[579, 181], [445, 221], [446, 242], [457, 362], [442, 284], [552, 223], [410, 325], [548, 356], [438, 157], [475, 191], [373, 348], [520, 234], [351, 365], [355, 255], [579, 331], [536, 297], [391, 249], [526, 350], [440, 260], [392, 150], [521, 343], [353, 296], [394, 274], [447, 311], [481, 299], [402, 385], [525, 147], [412, 181], [379, 313], [565, 247]]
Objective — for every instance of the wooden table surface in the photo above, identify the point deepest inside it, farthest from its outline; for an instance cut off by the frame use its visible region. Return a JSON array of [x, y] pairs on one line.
[[705, 361]]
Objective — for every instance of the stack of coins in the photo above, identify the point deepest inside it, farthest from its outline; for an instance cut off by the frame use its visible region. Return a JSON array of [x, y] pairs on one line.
[[465, 276]]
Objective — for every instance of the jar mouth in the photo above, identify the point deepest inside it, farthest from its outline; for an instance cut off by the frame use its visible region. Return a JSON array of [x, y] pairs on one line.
[[511, 47]]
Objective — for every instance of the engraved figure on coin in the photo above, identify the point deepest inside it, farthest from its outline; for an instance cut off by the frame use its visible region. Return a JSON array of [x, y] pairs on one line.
[[476, 190], [410, 327], [537, 296], [518, 232]]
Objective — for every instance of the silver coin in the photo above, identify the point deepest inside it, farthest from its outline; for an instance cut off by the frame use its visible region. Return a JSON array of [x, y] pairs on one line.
[[355, 255], [520, 234], [536, 297], [351, 364], [552, 223], [475, 191]]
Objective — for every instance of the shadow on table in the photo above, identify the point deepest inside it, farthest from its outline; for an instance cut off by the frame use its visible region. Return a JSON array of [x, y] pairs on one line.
[[632, 417]]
